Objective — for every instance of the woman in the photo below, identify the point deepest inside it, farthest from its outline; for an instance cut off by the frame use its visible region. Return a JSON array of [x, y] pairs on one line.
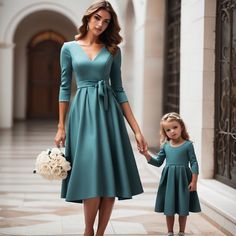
[[97, 143]]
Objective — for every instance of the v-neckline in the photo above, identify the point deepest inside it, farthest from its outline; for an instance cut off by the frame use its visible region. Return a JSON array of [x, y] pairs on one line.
[[91, 60]]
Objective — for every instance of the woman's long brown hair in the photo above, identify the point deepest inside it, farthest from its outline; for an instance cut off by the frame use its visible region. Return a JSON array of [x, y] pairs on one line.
[[110, 37]]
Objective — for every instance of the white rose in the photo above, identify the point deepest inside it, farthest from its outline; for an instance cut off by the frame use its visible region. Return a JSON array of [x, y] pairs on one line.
[[61, 160], [44, 169], [66, 166], [54, 164], [56, 171], [55, 151], [63, 175], [53, 155], [42, 159]]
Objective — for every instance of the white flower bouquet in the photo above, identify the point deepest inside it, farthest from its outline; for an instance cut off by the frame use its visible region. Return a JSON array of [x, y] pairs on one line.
[[52, 164]]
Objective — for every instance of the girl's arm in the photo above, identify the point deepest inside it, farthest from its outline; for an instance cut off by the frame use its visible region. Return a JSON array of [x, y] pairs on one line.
[[194, 168], [157, 160], [141, 143]]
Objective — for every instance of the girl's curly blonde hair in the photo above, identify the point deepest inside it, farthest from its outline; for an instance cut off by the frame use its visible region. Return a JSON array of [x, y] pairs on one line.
[[110, 37], [172, 116]]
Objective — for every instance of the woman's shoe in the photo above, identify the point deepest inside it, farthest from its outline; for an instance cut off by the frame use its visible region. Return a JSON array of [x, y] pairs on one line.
[[181, 233], [170, 234]]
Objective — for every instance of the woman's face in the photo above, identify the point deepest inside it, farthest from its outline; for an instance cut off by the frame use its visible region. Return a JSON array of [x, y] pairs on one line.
[[99, 22]]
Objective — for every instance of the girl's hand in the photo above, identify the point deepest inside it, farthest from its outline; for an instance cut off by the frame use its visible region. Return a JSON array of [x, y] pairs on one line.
[[60, 138], [192, 186], [146, 154], [141, 142]]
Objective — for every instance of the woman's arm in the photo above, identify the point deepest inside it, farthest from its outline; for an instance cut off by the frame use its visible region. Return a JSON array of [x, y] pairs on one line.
[[64, 94], [141, 143], [61, 133], [116, 84]]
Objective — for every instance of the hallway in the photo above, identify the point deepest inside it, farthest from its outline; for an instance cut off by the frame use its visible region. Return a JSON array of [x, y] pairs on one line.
[[30, 205]]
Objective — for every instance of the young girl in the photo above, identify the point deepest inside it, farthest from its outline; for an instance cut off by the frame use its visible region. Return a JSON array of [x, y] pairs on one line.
[[178, 184]]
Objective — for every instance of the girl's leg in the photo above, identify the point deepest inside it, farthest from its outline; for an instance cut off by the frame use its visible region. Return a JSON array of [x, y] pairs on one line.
[[91, 207], [182, 223], [105, 210], [170, 223]]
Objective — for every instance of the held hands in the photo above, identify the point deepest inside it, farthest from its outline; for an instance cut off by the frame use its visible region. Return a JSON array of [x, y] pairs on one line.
[[60, 138], [142, 146]]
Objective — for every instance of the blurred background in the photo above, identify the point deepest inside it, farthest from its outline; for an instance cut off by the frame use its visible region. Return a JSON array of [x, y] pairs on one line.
[[177, 55]]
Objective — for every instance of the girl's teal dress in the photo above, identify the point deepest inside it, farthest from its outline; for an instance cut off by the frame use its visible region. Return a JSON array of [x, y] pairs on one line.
[[173, 195], [97, 143]]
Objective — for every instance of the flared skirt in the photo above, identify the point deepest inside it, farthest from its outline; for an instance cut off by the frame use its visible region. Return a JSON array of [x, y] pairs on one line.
[[173, 196], [99, 150]]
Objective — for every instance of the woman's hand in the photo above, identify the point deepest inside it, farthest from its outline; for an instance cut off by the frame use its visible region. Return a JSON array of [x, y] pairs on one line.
[[60, 138], [141, 142]]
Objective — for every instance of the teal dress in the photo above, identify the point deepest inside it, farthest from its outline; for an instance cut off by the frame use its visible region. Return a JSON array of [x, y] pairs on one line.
[[97, 142], [173, 195]]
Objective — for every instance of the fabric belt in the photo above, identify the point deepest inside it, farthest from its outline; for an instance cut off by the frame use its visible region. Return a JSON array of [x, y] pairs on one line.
[[102, 87], [175, 164]]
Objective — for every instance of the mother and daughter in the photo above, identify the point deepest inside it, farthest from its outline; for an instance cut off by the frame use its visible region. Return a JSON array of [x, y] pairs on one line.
[[95, 136]]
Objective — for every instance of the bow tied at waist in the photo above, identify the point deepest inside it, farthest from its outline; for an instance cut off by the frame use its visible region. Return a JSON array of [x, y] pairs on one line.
[[102, 87]]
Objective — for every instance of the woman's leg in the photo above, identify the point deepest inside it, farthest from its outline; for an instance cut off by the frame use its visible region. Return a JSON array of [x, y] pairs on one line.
[[105, 210], [91, 207], [170, 223], [182, 223]]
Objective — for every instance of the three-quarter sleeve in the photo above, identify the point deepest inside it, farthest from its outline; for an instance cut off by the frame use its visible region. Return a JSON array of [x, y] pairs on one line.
[[159, 159], [66, 74], [193, 159], [115, 76]]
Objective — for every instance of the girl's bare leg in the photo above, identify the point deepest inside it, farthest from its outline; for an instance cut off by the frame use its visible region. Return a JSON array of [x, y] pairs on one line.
[[105, 210], [182, 223], [170, 223], [91, 207]]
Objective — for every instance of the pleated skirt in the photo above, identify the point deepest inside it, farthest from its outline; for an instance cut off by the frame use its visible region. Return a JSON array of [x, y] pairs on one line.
[[173, 196], [99, 150]]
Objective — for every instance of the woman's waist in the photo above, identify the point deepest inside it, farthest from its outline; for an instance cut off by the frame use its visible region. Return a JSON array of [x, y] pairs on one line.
[[92, 83]]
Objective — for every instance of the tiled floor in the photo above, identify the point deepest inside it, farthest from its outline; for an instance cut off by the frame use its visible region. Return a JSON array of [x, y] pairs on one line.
[[30, 205]]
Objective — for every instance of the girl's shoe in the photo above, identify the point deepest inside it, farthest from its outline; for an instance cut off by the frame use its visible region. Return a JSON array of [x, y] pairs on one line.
[[181, 233], [170, 234]]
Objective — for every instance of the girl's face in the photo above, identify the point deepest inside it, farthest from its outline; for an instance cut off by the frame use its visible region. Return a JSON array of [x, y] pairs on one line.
[[173, 129], [99, 22]]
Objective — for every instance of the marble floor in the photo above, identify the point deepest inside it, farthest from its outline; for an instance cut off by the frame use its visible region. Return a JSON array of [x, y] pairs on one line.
[[30, 205]]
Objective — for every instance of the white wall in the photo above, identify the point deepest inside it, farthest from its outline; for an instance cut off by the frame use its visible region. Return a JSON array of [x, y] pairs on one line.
[[197, 76]]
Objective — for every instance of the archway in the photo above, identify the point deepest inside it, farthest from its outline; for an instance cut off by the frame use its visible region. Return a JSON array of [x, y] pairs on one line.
[[36, 28], [43, 74], [15, 37]]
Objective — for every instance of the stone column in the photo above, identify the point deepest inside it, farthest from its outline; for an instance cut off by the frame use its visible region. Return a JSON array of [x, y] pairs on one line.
[[197, 77], [153, 70], [6, 85]]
